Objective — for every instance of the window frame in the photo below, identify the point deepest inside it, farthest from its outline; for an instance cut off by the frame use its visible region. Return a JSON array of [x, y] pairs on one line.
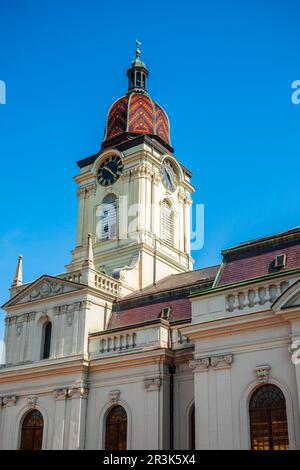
[[106, 424], [268, 417], [170, 239], [46, 336], [115, 224], [34, 428]]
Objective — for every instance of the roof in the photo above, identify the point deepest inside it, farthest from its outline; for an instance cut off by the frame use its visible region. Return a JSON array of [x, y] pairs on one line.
[[173, 291], [180, 310], [177, 281], [256, 258], [136, 113], [132, 140]]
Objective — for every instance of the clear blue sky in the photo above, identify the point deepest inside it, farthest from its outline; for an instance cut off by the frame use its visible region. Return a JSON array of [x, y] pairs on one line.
[[222, 70]]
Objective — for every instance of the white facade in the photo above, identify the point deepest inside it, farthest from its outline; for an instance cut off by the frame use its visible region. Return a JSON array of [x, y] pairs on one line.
[[183, 382], [235, 353], [229, 355]]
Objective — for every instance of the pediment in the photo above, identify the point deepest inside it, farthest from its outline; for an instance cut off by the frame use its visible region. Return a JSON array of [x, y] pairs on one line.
[[294, 302], [42, 288], [289, 299]]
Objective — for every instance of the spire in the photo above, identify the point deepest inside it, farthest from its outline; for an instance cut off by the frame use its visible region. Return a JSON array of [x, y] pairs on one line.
[[89, 261], [18, 278], [137, 73]]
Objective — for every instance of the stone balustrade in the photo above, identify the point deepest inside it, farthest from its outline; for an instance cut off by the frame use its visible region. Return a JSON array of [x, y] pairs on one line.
[[107, 283], [122, 342], [250, 298], [74, 276], [101, 281], [117, 343]]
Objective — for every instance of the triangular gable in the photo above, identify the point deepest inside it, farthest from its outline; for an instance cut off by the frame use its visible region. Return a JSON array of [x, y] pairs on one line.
[[44, 287], [289, 299]]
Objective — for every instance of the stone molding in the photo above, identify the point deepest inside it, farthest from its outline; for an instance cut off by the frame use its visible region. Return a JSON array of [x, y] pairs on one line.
[[220, 361], [182, 196], [60, 393], [143, 171], [25, 317], [263, 373], [71, 392], [46, 289], [69, 319], [199, 363], [114, 396], [9, 400], [78, 392], [19, 328], [86, 191], [67, 309], [32, 401], [156, 178], [152, 383]]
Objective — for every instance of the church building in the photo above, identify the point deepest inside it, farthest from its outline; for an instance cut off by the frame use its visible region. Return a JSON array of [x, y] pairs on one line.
[[130, 348]]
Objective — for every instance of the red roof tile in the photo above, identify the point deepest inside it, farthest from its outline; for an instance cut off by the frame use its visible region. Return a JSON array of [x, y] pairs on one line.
[[180, 310], [172, 291], [256, 258]]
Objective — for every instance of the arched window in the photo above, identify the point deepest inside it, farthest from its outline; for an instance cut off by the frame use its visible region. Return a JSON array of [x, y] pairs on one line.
[[47, 330], [166, 222], [138, 79], [192, 427], [32, 431], [108, 214], [268, 420], [116, 429]]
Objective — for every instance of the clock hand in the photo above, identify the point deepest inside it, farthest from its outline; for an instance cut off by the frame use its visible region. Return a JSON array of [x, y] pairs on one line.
[[169, 178], [109, 171]]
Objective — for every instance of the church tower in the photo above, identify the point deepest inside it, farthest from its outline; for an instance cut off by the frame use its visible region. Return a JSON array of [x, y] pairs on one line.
[[134, 195]]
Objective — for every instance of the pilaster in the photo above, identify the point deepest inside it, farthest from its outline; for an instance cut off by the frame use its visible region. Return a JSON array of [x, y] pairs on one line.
[[152, 412], [60, 395], [78, 396], [213, 407]]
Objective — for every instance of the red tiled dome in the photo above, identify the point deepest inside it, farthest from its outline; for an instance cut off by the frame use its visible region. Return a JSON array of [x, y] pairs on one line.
[[136, 113]]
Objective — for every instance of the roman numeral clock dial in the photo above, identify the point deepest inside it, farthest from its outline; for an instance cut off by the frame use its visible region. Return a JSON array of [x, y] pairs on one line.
[[169, 176], [110, 170]]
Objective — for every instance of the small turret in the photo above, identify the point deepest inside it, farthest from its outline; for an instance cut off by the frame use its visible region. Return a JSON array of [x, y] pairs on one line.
[[18, 278], [137, 73]]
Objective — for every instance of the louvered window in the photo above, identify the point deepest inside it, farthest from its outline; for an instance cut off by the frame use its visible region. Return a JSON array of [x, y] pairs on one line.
[[167, 223], [108, 215]]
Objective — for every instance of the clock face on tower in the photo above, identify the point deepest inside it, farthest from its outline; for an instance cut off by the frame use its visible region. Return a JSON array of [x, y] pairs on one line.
[[169, 176], [110, 170]]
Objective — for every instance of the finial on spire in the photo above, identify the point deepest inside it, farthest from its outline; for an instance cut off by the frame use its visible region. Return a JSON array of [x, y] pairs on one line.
[[18, 278], [138, 48], [137, 73], [89, 261]]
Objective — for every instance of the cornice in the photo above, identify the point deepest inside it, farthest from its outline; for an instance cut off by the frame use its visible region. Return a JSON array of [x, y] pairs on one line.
[[261, 243], [248, 282], [233, 325], [135, 359], [49, 368], [85, 291], [159, 322]]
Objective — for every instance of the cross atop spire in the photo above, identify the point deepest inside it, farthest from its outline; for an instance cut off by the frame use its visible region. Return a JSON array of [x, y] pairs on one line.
[[137, 73]]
